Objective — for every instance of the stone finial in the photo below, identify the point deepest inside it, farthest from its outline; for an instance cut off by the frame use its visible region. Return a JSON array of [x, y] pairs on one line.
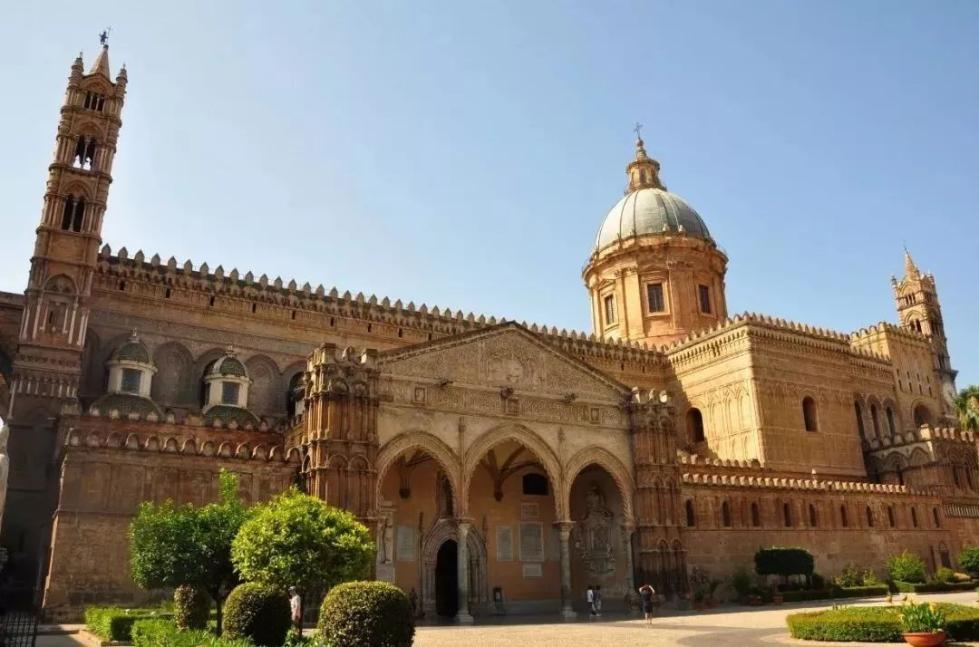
[[204, 269], [171, 263], [123, 254], [155, 261]]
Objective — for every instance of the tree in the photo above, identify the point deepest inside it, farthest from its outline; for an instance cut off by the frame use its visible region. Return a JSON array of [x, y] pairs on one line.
[[969, 559], [299, 540], [967, 404], [187, 545]]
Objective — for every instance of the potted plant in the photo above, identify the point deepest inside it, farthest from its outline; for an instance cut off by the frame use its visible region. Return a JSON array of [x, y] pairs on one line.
[[923, 625]]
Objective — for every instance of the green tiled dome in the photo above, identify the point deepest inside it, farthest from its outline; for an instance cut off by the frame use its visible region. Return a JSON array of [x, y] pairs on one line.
[[125, 403], [226, 413], [227, 365], [132, 351]]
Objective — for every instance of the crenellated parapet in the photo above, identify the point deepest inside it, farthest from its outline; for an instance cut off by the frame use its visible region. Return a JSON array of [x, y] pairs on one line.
[[787, 483]]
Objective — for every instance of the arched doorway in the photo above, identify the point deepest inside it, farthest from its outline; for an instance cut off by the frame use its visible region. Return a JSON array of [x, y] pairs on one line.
[[447, 579]]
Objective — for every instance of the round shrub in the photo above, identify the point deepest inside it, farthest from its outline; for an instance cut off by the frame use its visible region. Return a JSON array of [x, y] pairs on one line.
[[367, 614], [969, 560], [191, 607], [906, 567], [257, 612]]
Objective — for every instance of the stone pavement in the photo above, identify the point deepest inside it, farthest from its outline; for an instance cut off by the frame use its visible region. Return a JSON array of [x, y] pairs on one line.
[[740, 626]]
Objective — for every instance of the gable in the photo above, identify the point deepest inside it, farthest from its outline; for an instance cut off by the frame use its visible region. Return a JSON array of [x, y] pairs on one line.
[[503, 356]]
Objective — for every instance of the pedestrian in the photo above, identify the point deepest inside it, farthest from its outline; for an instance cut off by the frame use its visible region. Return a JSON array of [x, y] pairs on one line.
[[296, 610], [590, 598], [646, 593], [598, 600]]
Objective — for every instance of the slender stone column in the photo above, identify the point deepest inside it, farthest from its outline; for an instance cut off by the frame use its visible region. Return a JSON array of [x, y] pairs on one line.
[[564, 530], [463, 616], [630, 577]]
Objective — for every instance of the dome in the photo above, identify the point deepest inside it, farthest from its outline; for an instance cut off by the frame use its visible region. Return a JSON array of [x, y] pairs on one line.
[[650, 210], [132, 351], [227, 413], [125, 404], [228, 365]]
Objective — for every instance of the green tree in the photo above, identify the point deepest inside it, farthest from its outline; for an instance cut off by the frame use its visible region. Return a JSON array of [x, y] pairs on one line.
[[174, 545], [969, 560], [299, 540], [967, 404]]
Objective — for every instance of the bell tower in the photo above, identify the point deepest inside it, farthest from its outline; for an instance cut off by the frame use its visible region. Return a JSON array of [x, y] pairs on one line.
[[919, 310], [47, 366], [52, 332]]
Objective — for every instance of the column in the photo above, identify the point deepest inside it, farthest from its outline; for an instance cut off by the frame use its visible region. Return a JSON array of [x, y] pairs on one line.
[[630, 582], [564, 530], [463, 616]]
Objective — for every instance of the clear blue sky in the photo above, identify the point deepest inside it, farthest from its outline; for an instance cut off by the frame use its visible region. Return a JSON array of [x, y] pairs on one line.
[[464, 154]]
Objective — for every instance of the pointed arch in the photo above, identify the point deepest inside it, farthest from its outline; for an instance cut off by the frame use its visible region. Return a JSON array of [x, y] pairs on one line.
[[435, 447], [610, 463]]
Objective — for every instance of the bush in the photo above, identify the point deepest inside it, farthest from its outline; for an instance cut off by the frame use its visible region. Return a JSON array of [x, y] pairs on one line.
[[931, 587], [163, 633], [944, 575], [257, 612], [783, 561], [906, 567], [876, 624], [116, 623], [367, 614], [969, 559], [836, 592], [191, 608], [849, 576], [741, 583]]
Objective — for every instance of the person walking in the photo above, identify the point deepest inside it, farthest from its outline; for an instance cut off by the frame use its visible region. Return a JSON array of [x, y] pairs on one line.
[[598, 600], [646, 593], [590, 599], [296, 610]]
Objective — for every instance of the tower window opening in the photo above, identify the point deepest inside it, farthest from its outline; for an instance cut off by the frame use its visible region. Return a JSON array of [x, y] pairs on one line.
[[844, 521], [891, 426], [870, 517], [131, 378], [858, 411], [726, 514], [166, 295], [809, 413], [229, 393], [79, 215], [787, 514], [703, 293], [94, 101], [691, 517], [122, 286], [68, 213], [609, 302], [695, 426], [875, 418], [755, 515], [84, 157], [813, 519], [890, 516], [654, 297], [914, 517]]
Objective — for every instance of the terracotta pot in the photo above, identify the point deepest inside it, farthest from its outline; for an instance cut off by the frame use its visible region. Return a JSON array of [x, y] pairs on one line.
[[921, 639]]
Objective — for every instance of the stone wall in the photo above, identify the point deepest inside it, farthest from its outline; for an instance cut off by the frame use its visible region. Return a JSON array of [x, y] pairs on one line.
[[111, 466]]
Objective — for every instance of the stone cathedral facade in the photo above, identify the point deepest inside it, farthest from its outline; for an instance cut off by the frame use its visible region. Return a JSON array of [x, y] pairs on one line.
[[496, 463]]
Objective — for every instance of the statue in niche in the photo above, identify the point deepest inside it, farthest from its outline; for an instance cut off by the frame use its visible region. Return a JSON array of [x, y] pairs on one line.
[[594, 534], [443, 489]]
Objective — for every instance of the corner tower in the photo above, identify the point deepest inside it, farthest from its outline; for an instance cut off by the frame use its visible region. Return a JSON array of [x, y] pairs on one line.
[[655, 274], [919, 310]]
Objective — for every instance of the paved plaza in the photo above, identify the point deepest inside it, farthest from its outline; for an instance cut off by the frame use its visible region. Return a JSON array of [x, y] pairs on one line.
[[724, 626]]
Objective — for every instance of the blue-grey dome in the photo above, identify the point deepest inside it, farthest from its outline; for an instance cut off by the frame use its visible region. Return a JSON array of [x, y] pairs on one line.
[[650, 211]]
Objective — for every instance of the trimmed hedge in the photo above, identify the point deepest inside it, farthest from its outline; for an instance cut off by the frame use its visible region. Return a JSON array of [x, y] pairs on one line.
[[933, 587], [257, 612], [783, 561], [836, 592], [116, 623], [875, 624], [367, 614], [191, 608], [163, 633]]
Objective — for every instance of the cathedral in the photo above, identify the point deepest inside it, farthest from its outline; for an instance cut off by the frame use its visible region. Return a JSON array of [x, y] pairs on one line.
[[501, 466]]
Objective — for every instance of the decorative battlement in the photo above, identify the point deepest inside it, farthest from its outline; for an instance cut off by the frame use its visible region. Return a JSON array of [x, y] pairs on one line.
[[814, 485], [923, 434], [191, 420], [884, 327], [185, 445]]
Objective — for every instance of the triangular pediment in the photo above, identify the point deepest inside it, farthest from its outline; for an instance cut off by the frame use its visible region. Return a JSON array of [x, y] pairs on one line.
[[507, 355]]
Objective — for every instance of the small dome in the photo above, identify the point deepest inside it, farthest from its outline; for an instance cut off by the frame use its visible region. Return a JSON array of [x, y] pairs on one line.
[[226, 413], [126, 403], [650, 211], [228, 365], [132, 351]]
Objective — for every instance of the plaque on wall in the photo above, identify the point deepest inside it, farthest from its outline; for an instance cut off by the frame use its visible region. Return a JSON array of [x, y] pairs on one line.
[[533, 570], [529, 511], [531, 542], [504, 543], [407, 544]]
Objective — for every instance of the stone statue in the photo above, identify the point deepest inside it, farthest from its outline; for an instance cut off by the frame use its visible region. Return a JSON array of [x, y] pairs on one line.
[[595, 534]]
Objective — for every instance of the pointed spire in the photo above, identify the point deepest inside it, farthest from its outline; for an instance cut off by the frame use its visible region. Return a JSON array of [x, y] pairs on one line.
[[101, 64], [910, 269], [643, 171]]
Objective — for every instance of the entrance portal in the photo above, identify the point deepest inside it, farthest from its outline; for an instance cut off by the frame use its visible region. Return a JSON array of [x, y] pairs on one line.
[[447, 579]]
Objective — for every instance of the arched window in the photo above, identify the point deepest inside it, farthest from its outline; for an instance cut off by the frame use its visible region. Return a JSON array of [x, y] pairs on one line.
[[787, 514], [295, 396], [691, 517], [870, 517], [875, 419], [843, 518], [936, 517], [755, 516], [922, 415], [914, 517], [809, 413], [73, 214], [858, 411], [890, 516], [726, 514], [813, 519], [84, 157], [695, 425], [891, 426], [535, 484]]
